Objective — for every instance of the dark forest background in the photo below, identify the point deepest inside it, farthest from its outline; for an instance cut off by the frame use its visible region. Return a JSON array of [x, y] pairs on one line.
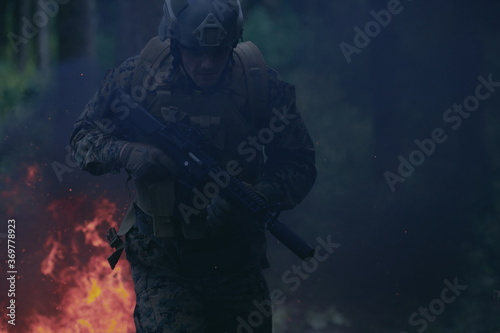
[[397, 247]]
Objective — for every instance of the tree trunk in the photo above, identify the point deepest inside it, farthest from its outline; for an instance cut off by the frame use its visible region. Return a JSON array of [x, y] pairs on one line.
[[43, 49], [4, 14], [76, 30], [22, 9], [138, 24]]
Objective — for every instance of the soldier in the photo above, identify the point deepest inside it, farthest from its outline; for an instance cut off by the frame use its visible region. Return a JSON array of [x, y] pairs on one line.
[[197, 263]]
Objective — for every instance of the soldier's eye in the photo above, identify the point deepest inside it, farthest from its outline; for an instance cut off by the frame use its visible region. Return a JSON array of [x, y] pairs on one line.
[[199, 53], [195, 53]]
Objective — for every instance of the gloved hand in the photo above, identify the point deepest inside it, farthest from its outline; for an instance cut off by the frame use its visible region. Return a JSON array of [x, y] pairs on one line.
[[268, 192], [143, 160], [222, 215]]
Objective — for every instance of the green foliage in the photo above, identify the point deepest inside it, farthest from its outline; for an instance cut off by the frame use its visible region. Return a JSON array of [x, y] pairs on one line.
[[279, 37], [106, 50], [16, 88], [341, 130], [18, 95]]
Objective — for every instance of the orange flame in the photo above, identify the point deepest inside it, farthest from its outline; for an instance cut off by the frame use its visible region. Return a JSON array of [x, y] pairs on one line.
[[32, 174], [93, 299], [15, 190]]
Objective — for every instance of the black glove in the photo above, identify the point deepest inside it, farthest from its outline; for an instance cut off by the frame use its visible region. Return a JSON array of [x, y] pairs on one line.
[[143, 160], [222, 215], [268, 192]]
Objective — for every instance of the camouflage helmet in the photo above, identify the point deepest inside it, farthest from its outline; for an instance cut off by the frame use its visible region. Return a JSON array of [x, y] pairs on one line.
[[202, 23]]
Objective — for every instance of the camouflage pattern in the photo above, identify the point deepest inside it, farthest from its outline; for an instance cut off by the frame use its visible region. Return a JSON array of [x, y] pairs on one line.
[[290, 166], [95, 150], [202, 286], [169, 299]]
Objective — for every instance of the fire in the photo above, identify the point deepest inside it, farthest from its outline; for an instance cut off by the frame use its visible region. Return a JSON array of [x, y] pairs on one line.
[[64, 281], [15, 189], [54, 253], [32, 174], [91, 297]]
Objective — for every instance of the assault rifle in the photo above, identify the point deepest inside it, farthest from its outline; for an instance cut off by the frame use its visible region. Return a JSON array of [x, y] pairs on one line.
[[190, 150]]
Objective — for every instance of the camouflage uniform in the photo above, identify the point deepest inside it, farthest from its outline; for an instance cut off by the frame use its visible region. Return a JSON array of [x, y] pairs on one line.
[[210, 283]]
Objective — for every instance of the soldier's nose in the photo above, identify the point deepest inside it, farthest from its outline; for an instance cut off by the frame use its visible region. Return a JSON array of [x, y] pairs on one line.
[[207, 62]]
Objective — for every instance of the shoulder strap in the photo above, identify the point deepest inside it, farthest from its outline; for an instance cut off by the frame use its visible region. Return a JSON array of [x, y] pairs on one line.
[[150, 59], [252, 60], [257, 78]]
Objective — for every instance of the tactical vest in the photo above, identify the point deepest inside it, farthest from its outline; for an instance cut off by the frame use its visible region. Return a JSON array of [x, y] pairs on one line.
[[227, 117]]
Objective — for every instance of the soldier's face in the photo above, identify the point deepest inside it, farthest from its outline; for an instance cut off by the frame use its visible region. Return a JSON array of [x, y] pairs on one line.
[[205, 67]]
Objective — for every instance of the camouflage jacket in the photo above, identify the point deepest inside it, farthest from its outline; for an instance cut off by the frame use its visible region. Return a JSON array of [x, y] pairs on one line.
[[287, 174]]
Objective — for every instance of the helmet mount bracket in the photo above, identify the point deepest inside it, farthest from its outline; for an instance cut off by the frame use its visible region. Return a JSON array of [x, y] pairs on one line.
[[202, 23], [211, 32]]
